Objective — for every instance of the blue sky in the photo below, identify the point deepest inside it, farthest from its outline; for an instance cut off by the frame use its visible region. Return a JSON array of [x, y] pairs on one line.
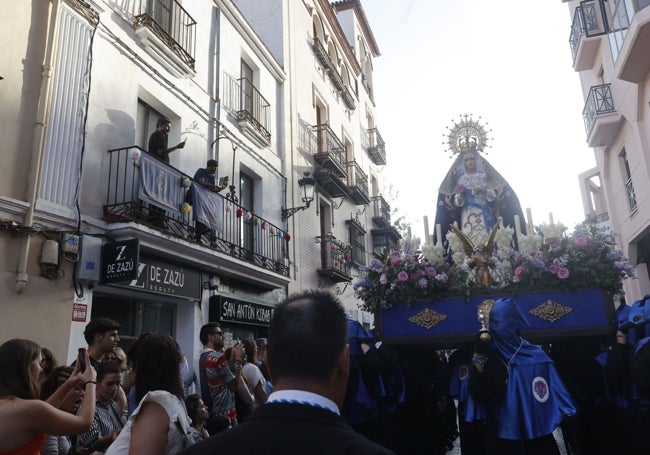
[[507, 61]]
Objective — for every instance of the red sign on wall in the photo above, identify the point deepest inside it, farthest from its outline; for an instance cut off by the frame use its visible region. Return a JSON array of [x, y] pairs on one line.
[[79, 312]]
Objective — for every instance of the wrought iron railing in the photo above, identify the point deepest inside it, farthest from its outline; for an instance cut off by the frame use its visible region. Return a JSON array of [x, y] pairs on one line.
[[380, 211], [321, 53], [335, 255], [246, 103], [244, 235], [376, 147], [348, 99], [357, 178], [589, 19], [631, 195], [599, 102], [357, 241], [327, 143], [336, 79], [172, 24]]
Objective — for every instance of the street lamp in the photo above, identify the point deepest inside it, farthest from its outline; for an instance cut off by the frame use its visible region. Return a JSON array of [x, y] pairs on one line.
[[307, 185]]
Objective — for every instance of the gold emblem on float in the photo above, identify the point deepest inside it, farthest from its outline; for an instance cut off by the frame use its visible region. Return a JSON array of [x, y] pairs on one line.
[[551, 311], [428, 318]]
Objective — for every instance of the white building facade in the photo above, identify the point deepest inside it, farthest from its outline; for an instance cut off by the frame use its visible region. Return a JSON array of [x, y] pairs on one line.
[[327, 50], [609, 42], [84, 85]]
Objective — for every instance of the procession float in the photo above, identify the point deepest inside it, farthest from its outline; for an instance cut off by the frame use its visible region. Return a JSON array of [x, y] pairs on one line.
[[482, 249]]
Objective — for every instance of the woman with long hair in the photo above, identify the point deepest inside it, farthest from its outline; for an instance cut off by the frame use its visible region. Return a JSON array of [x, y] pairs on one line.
[[25, 420], [198, 412], [160, 424]]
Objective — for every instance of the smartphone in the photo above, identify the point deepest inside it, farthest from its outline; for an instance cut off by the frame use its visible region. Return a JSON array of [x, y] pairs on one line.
[[81, 358]]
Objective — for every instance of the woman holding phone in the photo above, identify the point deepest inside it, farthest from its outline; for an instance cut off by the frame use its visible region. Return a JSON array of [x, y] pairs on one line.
[[25, 421]]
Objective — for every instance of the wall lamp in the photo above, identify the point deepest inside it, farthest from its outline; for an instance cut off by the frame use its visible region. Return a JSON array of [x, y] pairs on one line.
[[307, 185]]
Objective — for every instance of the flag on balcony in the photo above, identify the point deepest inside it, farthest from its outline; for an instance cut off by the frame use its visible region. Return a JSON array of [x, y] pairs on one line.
[[207, 207], [160, 185]]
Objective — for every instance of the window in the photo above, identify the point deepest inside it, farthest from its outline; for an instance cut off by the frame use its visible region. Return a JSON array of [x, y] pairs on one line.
[[357, 242], [629, 187], [246, 192]]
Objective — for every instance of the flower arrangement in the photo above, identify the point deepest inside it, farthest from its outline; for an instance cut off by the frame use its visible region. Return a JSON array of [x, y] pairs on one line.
[[585, 258]]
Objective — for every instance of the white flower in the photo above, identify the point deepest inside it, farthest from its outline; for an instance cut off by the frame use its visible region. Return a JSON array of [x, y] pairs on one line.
[[435, 254]]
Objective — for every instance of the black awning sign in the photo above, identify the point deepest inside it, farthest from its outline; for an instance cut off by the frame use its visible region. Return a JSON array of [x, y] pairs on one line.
[[235, 310], [120, 261]]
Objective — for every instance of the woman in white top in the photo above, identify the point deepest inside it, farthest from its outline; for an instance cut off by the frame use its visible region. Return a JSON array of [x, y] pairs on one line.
[[160, 424], [252, 372]]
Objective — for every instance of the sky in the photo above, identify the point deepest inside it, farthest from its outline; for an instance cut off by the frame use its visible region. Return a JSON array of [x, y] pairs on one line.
[[508, 62]]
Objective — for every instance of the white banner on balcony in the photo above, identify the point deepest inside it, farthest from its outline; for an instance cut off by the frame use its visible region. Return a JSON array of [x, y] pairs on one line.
[[160, 185], [207, 207]]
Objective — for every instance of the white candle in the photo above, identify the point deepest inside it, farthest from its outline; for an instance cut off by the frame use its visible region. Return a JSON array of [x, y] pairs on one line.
[[438, 233], [517, 227], [427, 234], [529, 221]]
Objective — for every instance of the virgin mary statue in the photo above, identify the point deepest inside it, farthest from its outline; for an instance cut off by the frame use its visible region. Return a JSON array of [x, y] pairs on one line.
[[473, 194]]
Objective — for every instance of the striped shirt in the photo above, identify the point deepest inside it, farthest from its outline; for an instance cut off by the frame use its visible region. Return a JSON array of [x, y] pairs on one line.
[[106, 421]]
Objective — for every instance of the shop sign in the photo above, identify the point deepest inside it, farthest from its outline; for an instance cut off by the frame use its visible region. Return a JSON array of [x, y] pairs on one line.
[[163, 278], [234, 310], [120, 261]]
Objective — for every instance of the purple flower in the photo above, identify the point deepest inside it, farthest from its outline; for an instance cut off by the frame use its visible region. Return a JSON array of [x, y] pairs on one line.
[[395, 261], [422, 282], [430, 271], [519, 271], [383, 279], [402, 276], [417, 275], [563, 273]]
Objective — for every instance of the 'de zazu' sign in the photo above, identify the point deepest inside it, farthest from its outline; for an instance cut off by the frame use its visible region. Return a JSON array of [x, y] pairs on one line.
[[120, 261]]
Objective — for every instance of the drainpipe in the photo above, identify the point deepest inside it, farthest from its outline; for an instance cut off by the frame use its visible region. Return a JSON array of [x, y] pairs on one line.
[[37, 149]]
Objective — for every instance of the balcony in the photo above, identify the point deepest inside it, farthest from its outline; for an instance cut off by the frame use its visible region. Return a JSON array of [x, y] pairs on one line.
[[335, 259], [330, 152], [336, 79], [249, 108], [348, 99], [243, 237], [357, 183], [601, 120], [168, 33], [380, 212], [376, 147], [589, 23], [331, 184], [321, 53], [385, 238], [633, 63]]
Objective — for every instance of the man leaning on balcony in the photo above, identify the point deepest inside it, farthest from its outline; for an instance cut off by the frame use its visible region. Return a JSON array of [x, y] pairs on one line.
[[207, 178]]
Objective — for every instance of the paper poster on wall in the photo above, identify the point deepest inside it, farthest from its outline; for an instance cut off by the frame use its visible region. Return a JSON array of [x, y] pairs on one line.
[[79, 312]]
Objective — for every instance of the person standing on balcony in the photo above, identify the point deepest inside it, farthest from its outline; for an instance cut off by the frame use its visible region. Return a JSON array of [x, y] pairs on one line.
[[158, 148], [158, 141], [206, 177]]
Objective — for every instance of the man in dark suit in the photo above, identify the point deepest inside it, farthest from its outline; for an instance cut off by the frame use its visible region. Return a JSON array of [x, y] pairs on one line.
[[309, 361]]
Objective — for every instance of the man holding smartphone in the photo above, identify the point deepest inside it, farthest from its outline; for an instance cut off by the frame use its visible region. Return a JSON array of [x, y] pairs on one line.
[[207, 177]]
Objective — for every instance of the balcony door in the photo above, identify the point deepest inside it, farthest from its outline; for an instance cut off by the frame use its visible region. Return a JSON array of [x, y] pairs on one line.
[[325, 231], [247, 191], [246, 87]]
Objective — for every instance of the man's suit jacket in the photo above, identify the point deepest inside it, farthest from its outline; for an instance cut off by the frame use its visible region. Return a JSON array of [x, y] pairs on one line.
[[288, 428]]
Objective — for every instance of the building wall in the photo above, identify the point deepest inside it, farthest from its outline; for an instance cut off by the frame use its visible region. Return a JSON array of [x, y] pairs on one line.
[[629, 128]]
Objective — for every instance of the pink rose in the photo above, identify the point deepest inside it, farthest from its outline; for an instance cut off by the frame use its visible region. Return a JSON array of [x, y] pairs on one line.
[[581, 241], [402, 276], [430, 271], [395, 261], [563, 273], [519, 271]]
